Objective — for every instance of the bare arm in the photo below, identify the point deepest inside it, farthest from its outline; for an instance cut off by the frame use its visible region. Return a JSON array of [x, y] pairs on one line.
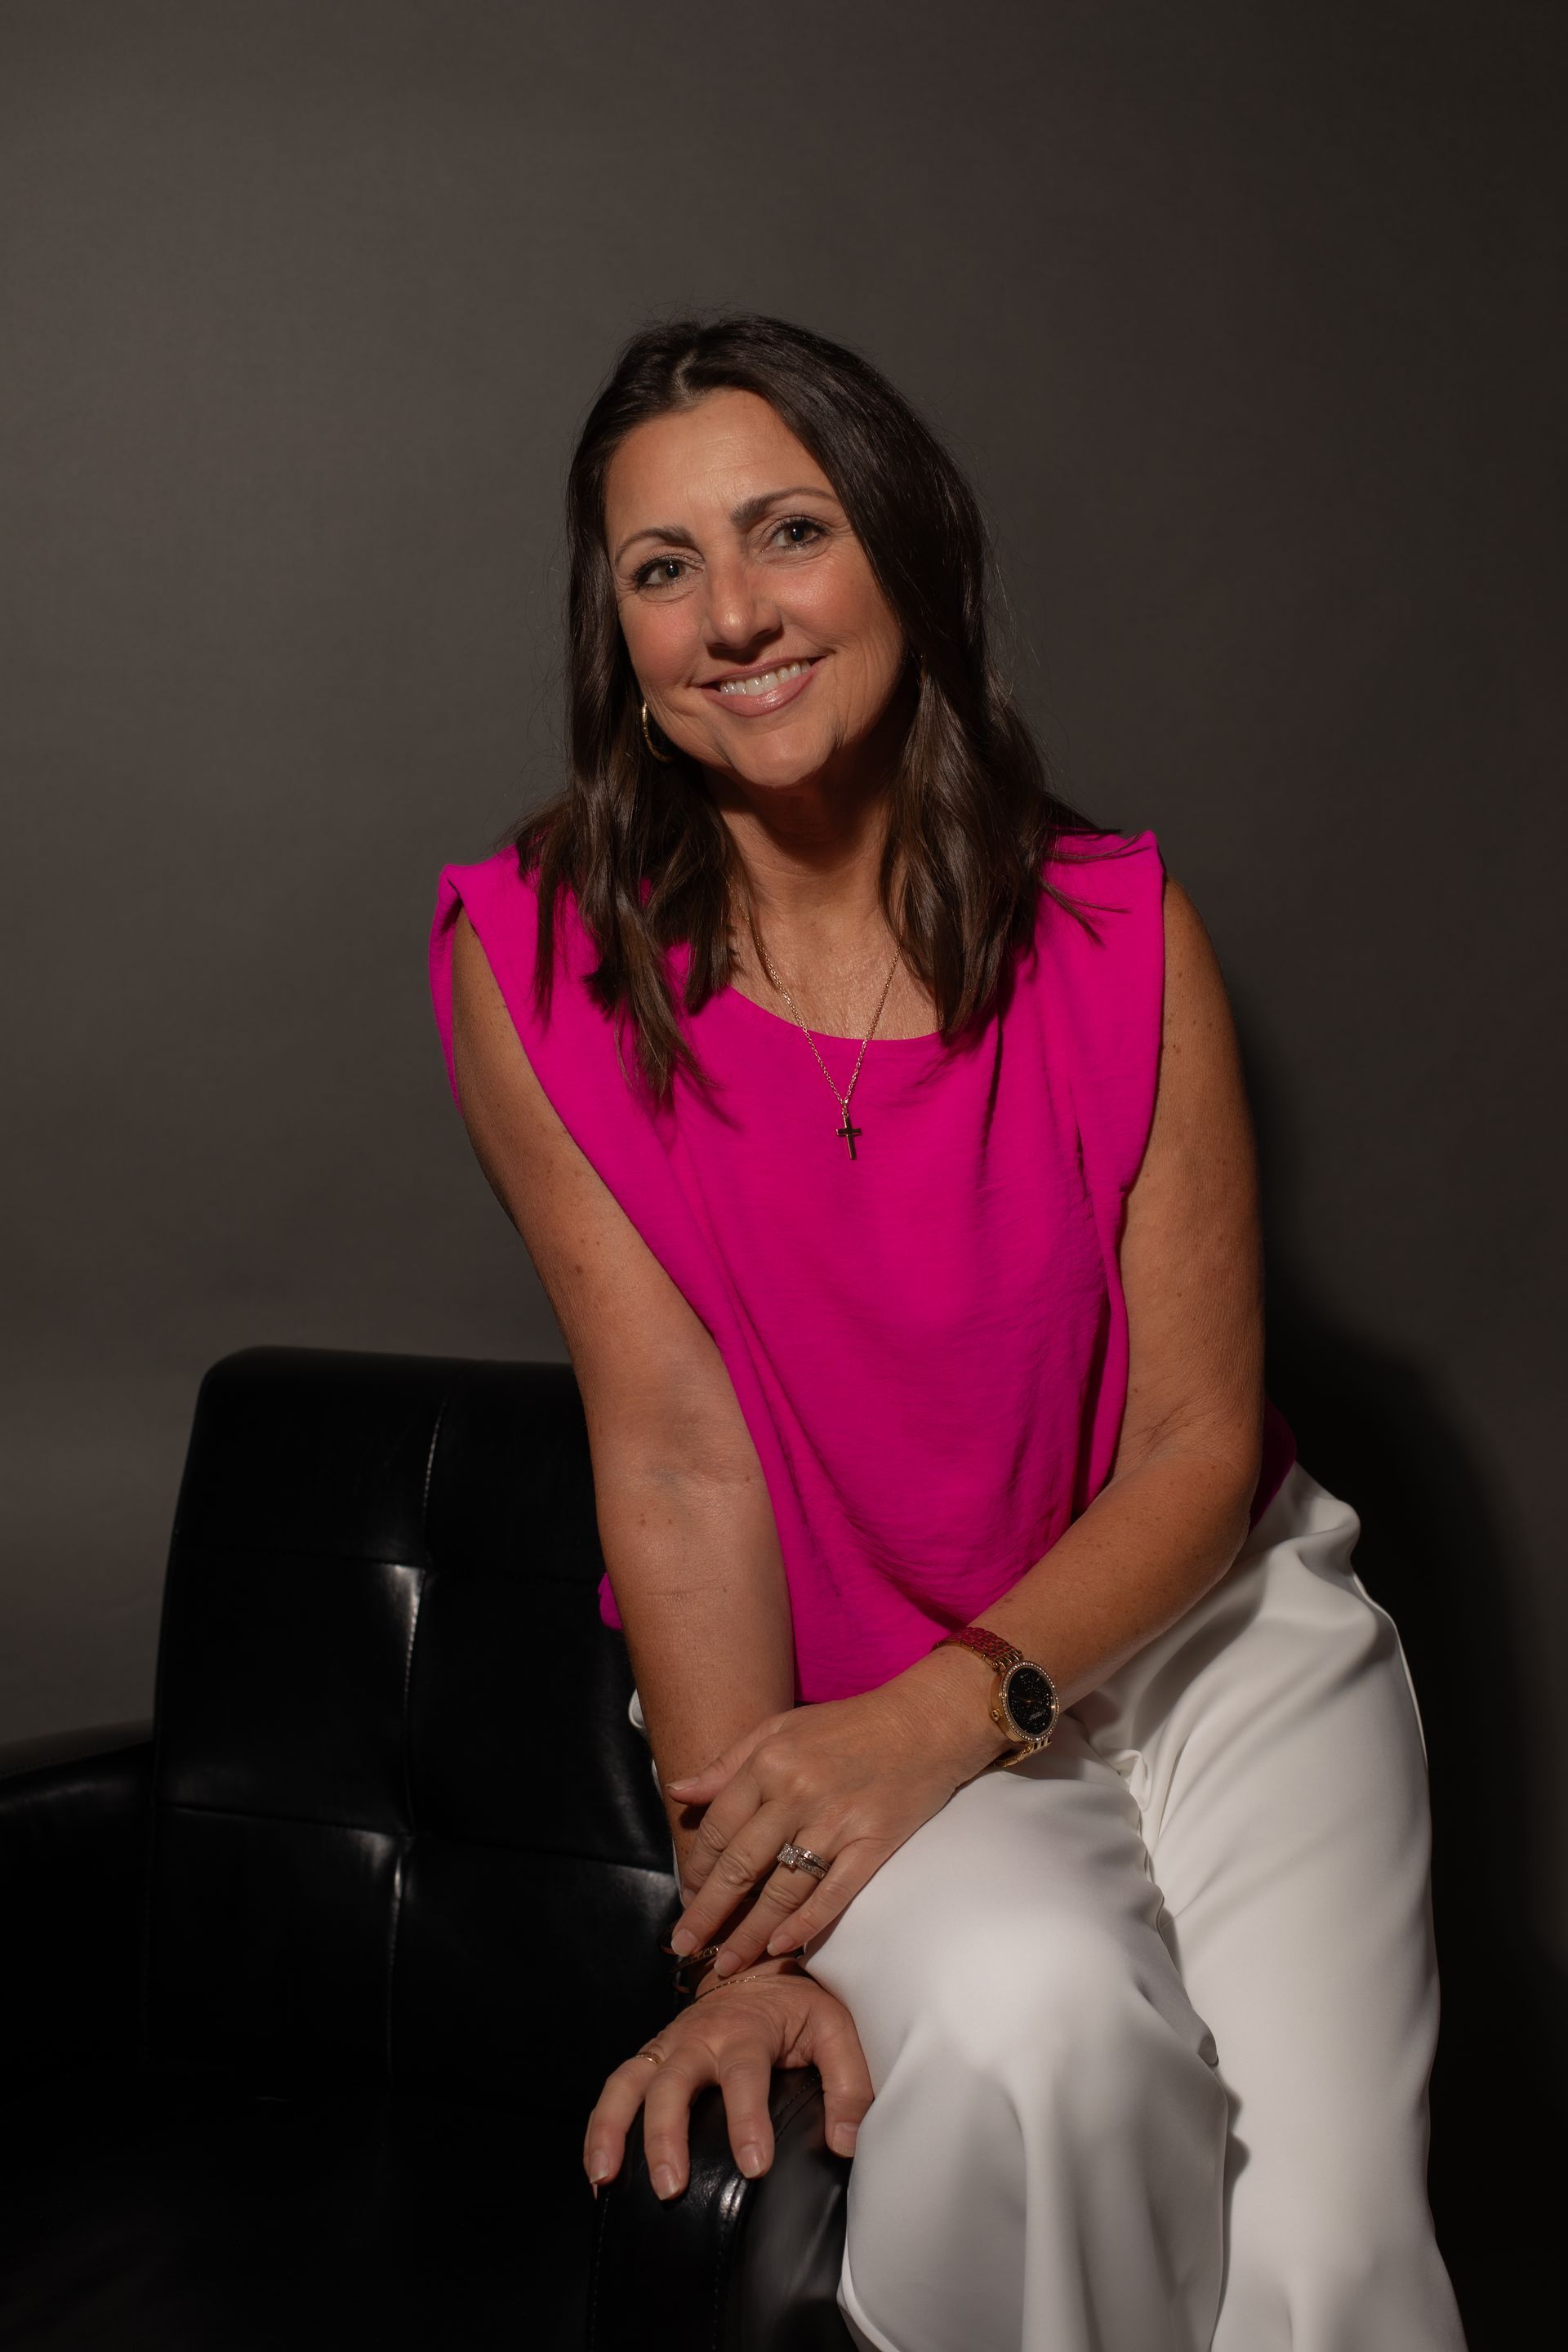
[[1173, 1514], [685, 1521]]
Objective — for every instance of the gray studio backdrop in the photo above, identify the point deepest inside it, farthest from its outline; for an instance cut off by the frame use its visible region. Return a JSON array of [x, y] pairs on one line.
[[1238, 317]]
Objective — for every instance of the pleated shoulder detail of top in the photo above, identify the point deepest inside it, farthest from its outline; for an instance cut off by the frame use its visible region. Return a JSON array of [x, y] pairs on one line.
[[928, 1341]]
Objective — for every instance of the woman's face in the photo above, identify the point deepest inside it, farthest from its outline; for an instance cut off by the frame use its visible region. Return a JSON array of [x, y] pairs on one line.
[[760, 637]]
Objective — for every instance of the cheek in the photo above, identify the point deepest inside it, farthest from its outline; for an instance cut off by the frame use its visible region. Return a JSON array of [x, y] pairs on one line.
[[838, 598], [850, 611], [659, 639]]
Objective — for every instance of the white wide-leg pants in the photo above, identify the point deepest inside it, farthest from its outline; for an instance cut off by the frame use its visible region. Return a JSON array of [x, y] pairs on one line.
[[1150, 2018]]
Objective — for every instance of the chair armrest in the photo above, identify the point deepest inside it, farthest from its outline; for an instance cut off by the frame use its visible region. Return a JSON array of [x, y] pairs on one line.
[[730, 2263], [74, 1815]]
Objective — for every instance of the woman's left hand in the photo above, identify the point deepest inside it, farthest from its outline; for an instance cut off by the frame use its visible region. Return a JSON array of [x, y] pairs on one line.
[[850, 1779]]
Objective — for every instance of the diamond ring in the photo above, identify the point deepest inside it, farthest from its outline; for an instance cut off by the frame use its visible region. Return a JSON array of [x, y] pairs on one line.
[[800, 1857]]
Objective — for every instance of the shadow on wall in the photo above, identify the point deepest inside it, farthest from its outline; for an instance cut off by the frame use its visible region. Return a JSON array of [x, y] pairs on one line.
[[1431, 1551]]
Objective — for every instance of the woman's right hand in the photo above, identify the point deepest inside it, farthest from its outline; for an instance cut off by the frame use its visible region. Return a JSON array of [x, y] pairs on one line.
[[735, 2038]]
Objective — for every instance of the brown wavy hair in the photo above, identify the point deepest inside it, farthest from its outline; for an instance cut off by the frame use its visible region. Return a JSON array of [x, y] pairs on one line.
[[973, 815]]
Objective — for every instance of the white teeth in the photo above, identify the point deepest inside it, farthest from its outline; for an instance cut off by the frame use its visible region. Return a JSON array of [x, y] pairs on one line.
[[761, 685]]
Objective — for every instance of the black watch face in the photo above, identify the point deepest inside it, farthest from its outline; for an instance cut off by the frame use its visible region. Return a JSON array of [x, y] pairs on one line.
[[1030, 1699]]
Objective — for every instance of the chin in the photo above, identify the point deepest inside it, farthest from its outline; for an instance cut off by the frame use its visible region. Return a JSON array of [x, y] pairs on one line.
[[789, 763]]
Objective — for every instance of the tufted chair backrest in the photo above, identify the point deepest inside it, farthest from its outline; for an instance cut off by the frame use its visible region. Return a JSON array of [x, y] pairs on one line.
[[404, 1833]]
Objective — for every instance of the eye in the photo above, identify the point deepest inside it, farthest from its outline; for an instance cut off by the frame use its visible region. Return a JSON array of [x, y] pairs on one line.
[[802, 522], [643, 576]]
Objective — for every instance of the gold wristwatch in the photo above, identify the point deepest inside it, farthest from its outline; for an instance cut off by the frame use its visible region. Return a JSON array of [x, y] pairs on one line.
[[1024, 1702]]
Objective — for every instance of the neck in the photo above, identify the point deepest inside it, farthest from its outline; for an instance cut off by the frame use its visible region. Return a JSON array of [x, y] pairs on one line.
[[809, 851], [819, 924]]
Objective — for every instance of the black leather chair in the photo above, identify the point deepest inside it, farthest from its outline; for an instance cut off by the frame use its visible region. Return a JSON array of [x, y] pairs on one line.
[[309, 1984]]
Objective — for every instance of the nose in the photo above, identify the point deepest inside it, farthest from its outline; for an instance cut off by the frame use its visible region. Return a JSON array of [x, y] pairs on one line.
[[741, 613]]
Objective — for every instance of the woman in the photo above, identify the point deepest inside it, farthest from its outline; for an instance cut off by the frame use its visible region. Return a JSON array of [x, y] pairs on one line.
[[876, 1126]]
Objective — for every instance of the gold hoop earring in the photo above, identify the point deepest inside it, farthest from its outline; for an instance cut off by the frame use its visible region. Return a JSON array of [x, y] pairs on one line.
[[665, 759]]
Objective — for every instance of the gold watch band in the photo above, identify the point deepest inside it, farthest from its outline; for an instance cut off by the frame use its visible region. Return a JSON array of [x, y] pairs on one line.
[[986, 1645], [1003, 1655]]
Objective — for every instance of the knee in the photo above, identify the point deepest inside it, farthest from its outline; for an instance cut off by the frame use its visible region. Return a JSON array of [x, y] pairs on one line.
[[1054, 1996]]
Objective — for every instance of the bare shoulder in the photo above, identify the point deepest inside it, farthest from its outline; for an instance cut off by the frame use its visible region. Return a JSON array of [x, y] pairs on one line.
[[1200, 1076], [655, 1389], [1194, 984], [1191, 1254]]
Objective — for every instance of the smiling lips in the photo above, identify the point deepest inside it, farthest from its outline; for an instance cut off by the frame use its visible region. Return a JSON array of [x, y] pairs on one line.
[[765, 690]]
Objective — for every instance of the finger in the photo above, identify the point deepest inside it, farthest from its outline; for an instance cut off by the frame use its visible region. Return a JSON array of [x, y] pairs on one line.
[[745, 2075], [848, 1874], [696, 1788], [846, 2090], [752, 1853], [605, 2134], [667, 2115], [723, 1822], [728, 1761], [770, 1926]]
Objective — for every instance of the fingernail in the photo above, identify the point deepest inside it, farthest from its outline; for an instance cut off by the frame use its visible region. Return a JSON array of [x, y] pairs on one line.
[[751, 2160], [683, 1940], [726, 1962], [845, 2137], [594, 2187], [664, 2181], [598, 2166]]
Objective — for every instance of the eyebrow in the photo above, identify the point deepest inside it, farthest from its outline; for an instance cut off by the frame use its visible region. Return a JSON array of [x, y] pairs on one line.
[[749, 511]]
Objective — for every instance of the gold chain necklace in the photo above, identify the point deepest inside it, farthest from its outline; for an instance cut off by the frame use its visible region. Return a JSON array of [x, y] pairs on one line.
[[848, 1131]]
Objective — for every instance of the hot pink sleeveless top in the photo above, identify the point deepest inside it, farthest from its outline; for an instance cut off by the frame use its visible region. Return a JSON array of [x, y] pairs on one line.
[[928, 1341]]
